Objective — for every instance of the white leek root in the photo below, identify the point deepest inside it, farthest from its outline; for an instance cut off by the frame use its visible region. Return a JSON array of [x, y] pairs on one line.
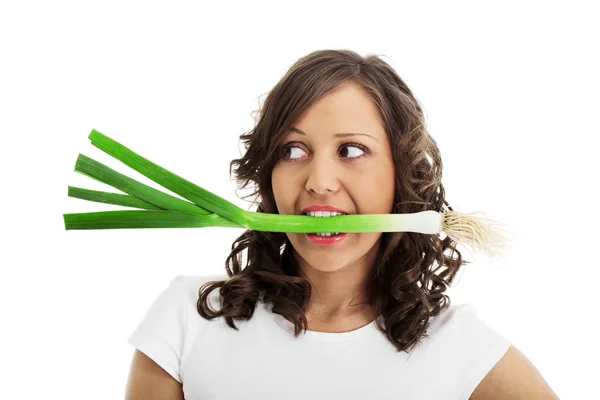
[[480, 233]]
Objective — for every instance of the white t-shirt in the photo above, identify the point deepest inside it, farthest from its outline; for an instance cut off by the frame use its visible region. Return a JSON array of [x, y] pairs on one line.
[[263, 360]]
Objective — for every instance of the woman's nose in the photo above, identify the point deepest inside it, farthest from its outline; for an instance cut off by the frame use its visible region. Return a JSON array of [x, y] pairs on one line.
[[322, 176]]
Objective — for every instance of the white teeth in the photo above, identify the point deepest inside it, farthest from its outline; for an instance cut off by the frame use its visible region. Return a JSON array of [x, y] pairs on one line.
[[327, 234], [323, 213]]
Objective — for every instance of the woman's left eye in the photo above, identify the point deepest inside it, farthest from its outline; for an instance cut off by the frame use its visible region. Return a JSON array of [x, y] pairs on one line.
[[347, 146]]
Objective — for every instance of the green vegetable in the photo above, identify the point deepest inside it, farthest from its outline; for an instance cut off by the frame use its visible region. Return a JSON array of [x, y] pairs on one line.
[[204, 208]]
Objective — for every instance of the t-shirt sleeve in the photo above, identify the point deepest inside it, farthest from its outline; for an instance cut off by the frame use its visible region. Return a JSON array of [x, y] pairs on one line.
[[481, 346], [161, 332]]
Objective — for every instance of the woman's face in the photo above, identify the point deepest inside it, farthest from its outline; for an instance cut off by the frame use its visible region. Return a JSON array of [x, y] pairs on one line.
[[318, 168]]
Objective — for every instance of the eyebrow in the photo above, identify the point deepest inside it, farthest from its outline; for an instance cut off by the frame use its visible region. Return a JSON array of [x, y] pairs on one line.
[[293, 129]]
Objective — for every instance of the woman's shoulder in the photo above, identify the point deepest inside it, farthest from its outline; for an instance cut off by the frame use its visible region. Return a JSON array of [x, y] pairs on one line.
[[452, 317], [453, 312], [191, 284], [461, 326], [198, 280]]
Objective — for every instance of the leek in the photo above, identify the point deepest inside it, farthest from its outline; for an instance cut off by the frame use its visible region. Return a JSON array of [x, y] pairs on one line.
[[206, 209]]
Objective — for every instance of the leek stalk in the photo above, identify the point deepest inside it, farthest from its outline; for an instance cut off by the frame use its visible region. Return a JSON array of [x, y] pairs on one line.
[[206, 209], [204, 203]]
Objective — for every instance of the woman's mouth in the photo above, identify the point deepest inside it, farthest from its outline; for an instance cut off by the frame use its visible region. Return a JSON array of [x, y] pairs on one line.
[[324, 240]]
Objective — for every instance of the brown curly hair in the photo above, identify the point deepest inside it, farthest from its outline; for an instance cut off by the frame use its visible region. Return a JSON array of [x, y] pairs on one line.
[[407, 283]]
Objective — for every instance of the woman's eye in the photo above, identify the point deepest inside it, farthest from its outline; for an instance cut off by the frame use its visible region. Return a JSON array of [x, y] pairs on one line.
[[349, 154], [356, 147], [289, 149]]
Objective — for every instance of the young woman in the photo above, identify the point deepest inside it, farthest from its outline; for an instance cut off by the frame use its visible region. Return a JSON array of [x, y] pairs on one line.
[[350, 316]]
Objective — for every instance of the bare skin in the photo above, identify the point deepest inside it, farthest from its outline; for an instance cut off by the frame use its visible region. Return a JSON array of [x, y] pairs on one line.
[[321, 169], [514, 377]]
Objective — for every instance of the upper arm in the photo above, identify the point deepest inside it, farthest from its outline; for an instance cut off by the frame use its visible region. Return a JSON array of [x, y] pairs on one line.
[[148, 381], [513, 377]]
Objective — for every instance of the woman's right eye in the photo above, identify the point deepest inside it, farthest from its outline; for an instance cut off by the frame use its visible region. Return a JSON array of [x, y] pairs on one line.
[[289, 149]]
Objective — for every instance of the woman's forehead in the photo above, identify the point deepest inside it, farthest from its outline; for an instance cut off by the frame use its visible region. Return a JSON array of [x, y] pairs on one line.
[[348, 111]]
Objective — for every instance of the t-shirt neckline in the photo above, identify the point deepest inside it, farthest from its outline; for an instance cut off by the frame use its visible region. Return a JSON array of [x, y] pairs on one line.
[[323, 336]]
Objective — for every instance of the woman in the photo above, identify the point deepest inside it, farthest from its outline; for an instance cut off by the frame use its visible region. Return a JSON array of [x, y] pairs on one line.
[[353, 316]]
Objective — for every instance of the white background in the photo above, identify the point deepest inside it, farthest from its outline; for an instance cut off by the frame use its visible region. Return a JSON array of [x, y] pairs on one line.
[[510, 93]]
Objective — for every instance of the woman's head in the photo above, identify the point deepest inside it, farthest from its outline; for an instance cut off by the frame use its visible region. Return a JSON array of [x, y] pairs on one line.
[[338, 154], [325, 93]]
